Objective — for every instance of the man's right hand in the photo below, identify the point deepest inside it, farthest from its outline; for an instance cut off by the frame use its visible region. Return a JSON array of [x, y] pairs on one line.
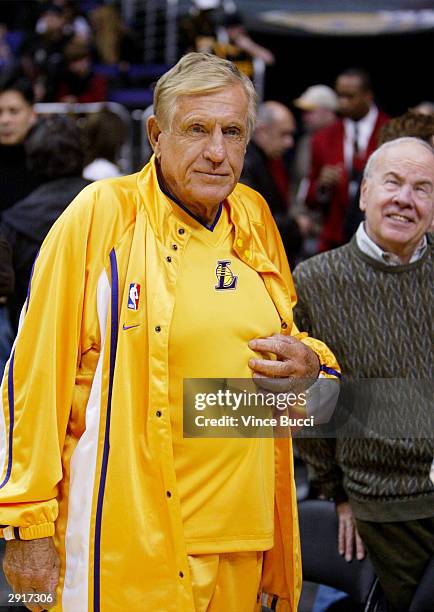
[[32, 566], [329, 175], [348, 537]]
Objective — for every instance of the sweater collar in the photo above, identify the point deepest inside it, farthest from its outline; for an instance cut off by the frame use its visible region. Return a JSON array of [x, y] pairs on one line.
[[370, 248]]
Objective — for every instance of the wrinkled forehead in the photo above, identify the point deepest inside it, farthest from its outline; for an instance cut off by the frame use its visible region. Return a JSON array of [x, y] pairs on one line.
[[221, 103], [407, 158], [11, 97]]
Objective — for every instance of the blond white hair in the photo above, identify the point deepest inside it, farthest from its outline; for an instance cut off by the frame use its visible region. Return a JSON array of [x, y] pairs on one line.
[[199, 73]]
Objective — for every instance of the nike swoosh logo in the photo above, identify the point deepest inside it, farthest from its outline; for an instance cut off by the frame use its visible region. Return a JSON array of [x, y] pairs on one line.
[[129, 326]]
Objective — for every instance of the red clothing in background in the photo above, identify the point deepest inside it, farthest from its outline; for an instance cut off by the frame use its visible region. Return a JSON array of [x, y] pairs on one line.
[[92, 88], [328, 148]]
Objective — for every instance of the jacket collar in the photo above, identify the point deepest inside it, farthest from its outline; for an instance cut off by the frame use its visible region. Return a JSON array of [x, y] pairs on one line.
[[250, 241], [159, 210]]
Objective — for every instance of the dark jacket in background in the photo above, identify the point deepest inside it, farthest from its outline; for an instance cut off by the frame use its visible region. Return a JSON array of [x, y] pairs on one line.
[[257, 175], [16, 181], [6, 269], [26, 224]]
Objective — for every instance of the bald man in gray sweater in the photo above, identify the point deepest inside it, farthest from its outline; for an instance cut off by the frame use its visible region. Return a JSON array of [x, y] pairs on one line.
[[371, 302]]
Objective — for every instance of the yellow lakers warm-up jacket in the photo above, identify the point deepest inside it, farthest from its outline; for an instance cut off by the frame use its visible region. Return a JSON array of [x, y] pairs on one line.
[[85, 439]]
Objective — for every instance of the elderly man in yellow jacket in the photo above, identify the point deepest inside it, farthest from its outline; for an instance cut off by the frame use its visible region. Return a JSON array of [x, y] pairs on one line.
[[172, 273]]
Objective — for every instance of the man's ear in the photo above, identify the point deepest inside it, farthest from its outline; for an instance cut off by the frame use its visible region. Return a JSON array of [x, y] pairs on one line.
[[154, 132], [363, 194]]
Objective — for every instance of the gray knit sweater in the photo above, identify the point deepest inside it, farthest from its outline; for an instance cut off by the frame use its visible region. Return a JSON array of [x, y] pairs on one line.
[[378, 321]]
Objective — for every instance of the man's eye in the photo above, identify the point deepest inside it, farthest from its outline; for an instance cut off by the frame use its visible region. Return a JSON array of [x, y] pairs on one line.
[[391, 181], [196, 129], [233, 131], [423, 190]]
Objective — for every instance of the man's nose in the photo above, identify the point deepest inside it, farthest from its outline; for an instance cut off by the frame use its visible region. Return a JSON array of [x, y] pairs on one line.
[[215, 149], [404, 195]]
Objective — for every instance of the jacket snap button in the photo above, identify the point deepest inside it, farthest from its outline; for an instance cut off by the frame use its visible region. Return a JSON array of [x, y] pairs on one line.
[[168, 258], [181, 231], [175, 247], [157, 328], [158, 413]]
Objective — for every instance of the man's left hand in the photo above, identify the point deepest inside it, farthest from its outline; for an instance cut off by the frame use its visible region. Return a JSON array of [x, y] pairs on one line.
[[294, 359]]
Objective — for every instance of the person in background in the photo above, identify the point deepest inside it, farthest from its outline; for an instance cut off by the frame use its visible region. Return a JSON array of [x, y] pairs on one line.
[[17, 117], [424, 108], [212, 28], [266, 170], [104, 135], [55, 156], [339, 153], [318, 105], [115, 43], [75, 24], [78, 82], [198, 28], [41, 54], [380, 284], [411, 123], [240, 38], [16, 120]]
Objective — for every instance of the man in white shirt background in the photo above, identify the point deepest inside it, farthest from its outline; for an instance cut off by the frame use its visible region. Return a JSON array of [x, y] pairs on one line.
[[339, 153]]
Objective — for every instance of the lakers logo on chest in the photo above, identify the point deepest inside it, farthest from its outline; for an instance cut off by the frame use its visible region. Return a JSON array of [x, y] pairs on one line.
[[226, 279]]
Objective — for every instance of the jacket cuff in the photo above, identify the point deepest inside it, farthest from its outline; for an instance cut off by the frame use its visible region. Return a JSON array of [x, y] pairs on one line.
[[329, 367], [273, 602], [43, 530]]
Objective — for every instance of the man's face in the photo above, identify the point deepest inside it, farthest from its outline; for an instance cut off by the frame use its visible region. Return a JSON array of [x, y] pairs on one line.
[[202, 154], [398, 198], [278, 137], [54, 22], [16, 117], [80, 67], [354, 101], [318, 118]]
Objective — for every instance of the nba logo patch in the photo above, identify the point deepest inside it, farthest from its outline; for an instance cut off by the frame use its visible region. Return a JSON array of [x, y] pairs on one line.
[[227, 280], [133, 296]]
